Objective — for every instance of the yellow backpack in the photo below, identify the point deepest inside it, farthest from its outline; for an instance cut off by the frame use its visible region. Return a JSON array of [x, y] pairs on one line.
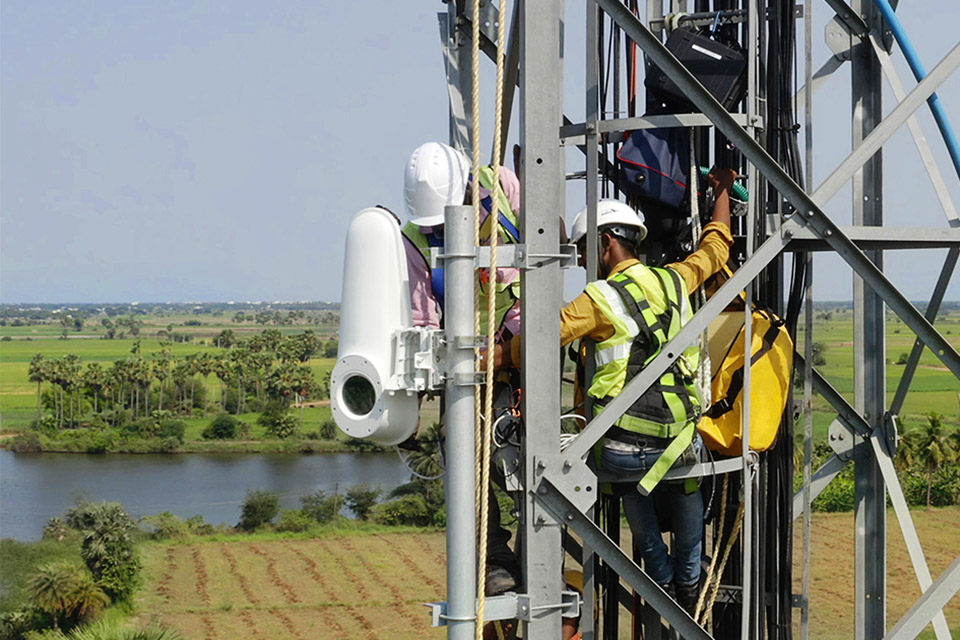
[[772, 363]]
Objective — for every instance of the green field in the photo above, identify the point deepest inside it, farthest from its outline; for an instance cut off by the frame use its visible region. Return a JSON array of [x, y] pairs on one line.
[[18, 396], [933, 387]]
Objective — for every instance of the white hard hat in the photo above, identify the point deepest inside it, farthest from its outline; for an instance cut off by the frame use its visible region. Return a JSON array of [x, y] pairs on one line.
[[610, 212], [435, 176]]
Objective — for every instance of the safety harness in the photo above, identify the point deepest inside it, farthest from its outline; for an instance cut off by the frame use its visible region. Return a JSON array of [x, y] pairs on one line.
[[424, 242], [647, 307]]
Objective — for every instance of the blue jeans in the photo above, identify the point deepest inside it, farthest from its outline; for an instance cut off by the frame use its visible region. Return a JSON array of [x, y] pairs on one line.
[[686, 512]]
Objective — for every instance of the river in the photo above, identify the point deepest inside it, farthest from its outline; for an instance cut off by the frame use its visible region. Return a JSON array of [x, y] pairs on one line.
[[37, 487]]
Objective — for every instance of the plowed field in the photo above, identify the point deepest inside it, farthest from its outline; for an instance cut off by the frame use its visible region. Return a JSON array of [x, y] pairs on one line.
[[361, 587], [373, 586]]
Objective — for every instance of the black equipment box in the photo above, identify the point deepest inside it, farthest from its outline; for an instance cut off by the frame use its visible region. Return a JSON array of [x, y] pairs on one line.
[[720, 68]]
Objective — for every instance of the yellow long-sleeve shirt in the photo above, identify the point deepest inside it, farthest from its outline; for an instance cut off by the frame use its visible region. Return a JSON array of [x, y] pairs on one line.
[[581, 318]]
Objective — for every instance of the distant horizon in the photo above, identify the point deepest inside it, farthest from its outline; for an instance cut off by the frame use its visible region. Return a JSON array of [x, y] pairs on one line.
[[218, 151], [302, 302]]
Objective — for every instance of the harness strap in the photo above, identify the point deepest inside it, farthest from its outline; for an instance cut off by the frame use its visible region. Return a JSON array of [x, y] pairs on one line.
[[436, 275], [666, 460]]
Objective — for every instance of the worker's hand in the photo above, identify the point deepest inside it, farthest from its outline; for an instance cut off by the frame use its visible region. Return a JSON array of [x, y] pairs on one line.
[[721, 179]]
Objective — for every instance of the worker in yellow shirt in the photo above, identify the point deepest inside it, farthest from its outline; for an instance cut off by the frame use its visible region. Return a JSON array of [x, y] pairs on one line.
[[630, 313]]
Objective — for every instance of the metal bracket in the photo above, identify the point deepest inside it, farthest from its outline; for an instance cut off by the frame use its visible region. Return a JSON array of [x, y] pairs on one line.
[[470, 342], [512, 256], [508, 459], [890, 433], [511, 606], [575, 479], [841, 440], [489, 21], [839, 38], [418, 360], [569, 606], [849, 18], [730, 594], [470, 379]]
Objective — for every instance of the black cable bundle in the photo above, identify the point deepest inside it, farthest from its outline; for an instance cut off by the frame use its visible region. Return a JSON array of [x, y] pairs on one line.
[[778, 476]]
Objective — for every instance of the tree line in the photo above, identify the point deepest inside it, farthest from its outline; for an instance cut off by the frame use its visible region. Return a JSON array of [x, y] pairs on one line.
[[263, 369]]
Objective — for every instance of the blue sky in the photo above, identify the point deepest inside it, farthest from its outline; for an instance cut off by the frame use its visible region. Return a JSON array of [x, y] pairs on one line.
[[217, 150]]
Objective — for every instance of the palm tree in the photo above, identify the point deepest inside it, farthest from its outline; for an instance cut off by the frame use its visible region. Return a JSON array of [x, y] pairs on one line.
[[119, 375], [94, 378], [180, 373], [224, 372], [161, 371], [305, 386], [271, 339], [240, 362], [38, 372], [108, 547], [61, 589], [88, 598], [261, 362], [52, 374], [932, 446], [71, 378], [427, 460], [204, 363]]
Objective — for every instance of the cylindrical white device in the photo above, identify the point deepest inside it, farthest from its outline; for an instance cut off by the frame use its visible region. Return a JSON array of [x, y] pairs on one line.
[[375, 303]]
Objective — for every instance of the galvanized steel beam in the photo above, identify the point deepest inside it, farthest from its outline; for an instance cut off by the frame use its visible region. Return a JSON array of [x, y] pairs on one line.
[[926, 156], [939, 291], [616, 559], [542, 171], [854, 421], [932, 601]]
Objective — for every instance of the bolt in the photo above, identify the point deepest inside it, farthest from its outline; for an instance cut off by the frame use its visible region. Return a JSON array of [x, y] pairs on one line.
[[827, 233], [540, 520], [591, 128], [566, 465], [542, 491], [810, 213], [787, 233], [541, 465], [569, 516], [524, 609]]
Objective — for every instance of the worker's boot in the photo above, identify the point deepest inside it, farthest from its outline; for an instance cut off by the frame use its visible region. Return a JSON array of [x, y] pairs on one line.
[[687, 596], [499, 580]]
